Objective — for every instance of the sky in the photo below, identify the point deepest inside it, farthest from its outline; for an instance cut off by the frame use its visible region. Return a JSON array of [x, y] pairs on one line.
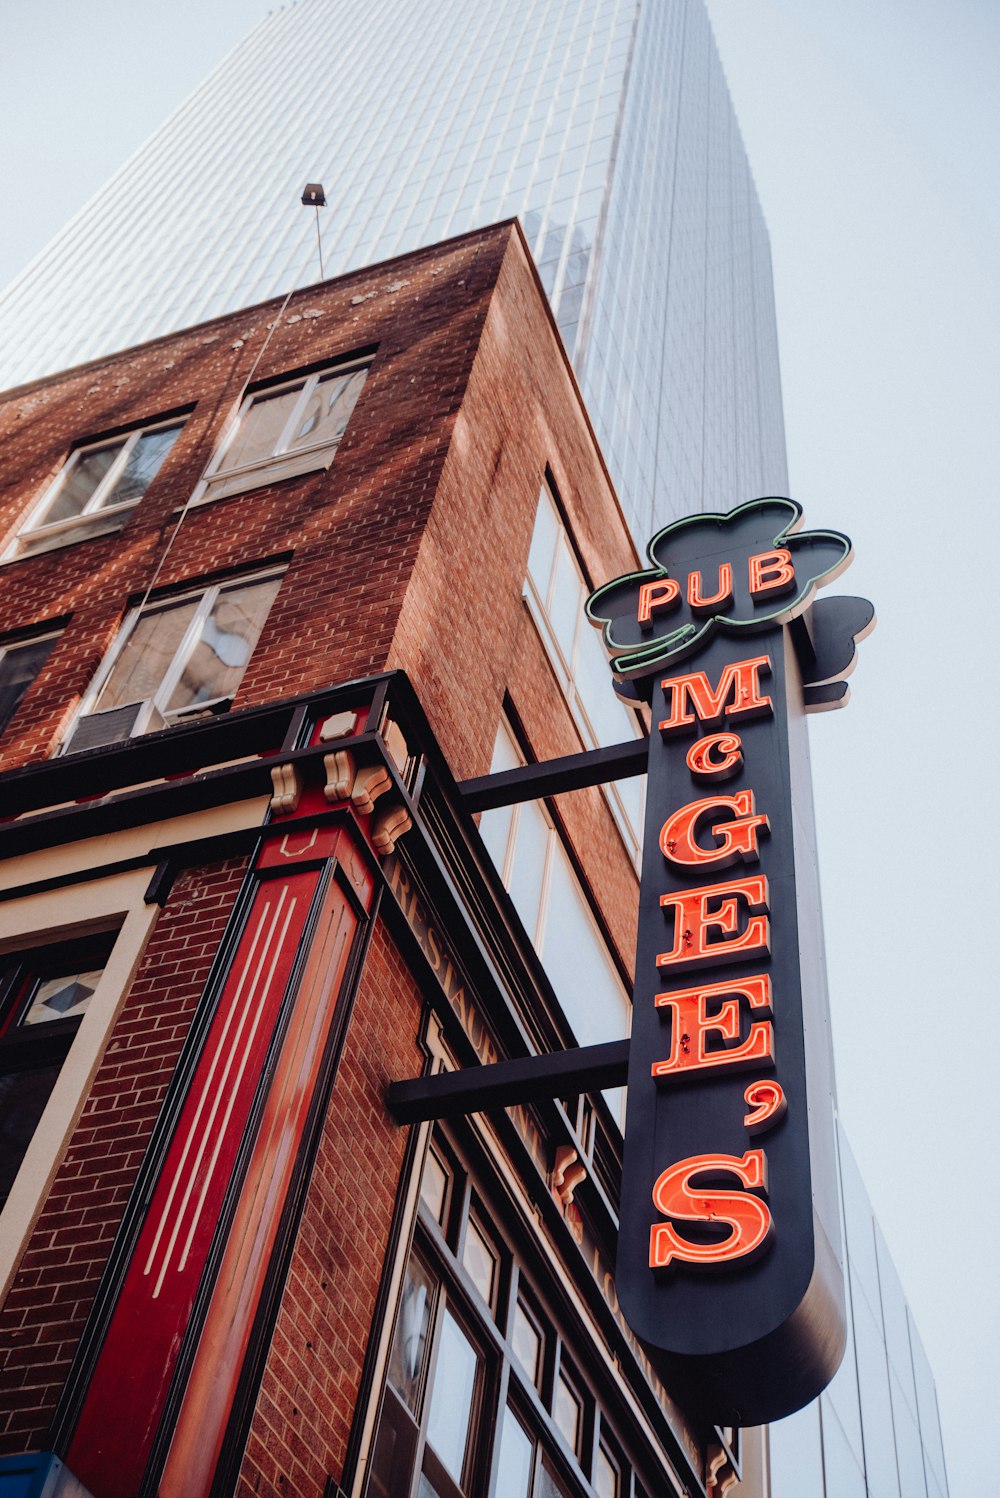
[[872, 129]]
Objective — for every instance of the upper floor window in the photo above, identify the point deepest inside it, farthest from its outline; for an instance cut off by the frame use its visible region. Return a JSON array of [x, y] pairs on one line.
[[20, 663], [283, 431], [98, 488], [556, 592], [179, 657]]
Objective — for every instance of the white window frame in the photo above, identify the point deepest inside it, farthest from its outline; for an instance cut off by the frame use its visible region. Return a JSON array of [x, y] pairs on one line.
[[78, 527], [539, 608], [151, 708], [282, 463]]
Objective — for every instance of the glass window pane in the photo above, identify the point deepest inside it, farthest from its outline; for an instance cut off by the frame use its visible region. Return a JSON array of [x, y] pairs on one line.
[[567, 603], [526, 1338], [568, 1412], [607, 1478], [480, 1262], [146, 655], [494, 826], [215, 666], [260, 428], [450, 1421], [514, 1465], [531, 841], [434, 1185], [23, 1095], [61, 998], [796, 1455], [141, 468], [18, 668], [543, 546], [328, 409], [409, 1342], [549, 1485], [77, 489], [577, 960]]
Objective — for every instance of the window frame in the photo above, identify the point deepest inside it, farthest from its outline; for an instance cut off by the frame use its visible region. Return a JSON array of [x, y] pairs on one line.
[[207, 596], [282, 462], [30, 529]]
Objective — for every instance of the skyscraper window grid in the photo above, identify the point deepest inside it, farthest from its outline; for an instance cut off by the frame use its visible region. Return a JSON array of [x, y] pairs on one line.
[[605, 125]]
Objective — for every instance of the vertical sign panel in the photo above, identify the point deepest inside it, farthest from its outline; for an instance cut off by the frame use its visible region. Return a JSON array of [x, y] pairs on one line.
[[728, 1255]]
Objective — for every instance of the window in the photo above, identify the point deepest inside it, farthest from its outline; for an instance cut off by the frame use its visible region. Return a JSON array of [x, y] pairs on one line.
[[97, 490], [283, 431], [19, 665], [537, 872], [556, 591], [174, 659], [43, 995], [479, 1386]]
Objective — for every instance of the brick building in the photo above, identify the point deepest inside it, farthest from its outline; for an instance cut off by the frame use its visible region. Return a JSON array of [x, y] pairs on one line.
[[277, 592]]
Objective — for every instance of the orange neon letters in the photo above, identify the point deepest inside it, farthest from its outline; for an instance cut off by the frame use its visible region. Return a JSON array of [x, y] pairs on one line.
[[738, 692], [690, 1024], [748, 1218], [736, 839], [657, 595], [715, 757], [697, 912], [771, 569], [722, 595]]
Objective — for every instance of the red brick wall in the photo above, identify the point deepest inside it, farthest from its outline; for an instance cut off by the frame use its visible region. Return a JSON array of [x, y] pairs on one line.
[[353, 530], [306, 1403], [48, 1304]]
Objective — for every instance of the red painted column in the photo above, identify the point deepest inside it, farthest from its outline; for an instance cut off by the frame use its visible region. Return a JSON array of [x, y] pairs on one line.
[[124, 1403]]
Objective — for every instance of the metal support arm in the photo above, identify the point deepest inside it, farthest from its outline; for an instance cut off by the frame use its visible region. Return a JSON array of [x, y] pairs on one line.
[[483, 1089]]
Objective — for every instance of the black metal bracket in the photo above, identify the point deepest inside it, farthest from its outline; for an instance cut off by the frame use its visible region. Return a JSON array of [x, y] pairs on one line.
[[572, 772], [484, 1089]]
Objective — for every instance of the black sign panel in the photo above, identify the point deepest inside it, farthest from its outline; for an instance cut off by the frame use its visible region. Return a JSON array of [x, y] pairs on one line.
[[729, 1246]]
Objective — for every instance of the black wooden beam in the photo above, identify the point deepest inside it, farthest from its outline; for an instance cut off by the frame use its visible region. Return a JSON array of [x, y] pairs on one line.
[[484, 1089], [553, 776]]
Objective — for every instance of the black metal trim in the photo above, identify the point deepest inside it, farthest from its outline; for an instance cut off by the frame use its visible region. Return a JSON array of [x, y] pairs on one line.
[[552, 777], [484, 1089]]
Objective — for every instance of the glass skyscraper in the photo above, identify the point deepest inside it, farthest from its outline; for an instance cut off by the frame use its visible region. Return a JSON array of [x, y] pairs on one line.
[[606, 125]]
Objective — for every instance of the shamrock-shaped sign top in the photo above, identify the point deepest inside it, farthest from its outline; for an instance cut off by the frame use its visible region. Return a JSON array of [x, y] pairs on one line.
[[745, 570]]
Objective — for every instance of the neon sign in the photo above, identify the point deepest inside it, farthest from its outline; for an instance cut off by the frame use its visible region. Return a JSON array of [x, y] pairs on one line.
[[728, 1258]]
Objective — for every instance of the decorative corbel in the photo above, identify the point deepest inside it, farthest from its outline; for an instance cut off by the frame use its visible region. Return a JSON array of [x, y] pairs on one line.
[[287, 783]]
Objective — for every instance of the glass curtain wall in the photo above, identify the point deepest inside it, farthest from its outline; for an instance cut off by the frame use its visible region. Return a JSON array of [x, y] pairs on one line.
[[606, 125], [875, 1432]]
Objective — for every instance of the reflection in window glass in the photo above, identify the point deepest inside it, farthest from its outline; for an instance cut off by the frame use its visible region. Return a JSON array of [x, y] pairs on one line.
[[480, 1262], [434, 1187], [528, 867], [149, 650], [452, 1398], [526, 1339], [409, 1343], [261, 427], [844, 1476], [514, 1464]]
